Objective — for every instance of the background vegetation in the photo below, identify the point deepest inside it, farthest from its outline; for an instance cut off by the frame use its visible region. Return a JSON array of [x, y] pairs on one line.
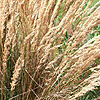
[[49, 49]]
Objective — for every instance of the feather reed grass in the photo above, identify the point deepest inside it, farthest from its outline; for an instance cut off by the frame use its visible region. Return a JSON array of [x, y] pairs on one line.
[[49, 49]]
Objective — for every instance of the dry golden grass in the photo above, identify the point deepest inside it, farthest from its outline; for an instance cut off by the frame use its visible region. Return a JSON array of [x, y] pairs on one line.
[[44, 49]]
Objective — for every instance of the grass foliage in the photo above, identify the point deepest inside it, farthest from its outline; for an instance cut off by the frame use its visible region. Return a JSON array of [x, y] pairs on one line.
[[49, 49]]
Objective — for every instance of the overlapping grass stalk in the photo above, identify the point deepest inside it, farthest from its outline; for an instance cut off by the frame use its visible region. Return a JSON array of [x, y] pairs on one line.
[[49, 49]]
